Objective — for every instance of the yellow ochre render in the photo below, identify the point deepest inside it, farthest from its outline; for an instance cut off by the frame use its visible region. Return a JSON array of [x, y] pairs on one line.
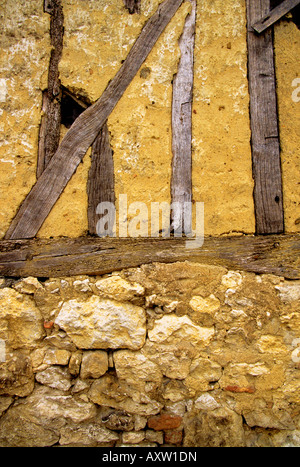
[[98, 36]]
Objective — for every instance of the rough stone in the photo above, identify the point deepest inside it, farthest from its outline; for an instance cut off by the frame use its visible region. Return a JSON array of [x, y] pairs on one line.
[[89, 434], [289, 292], [55, 377], [110, 392], [94, 364], [57, 357], [28, 285], [206, 402], [119, 420], [213, 428], [174, 329], [269, 418], [204, 373], [133, 437], [205, 305], [145, 369], [173, 437], [16, 375], [116, 288], [75, 362], [100, 323], [155, 436], [21, 322]]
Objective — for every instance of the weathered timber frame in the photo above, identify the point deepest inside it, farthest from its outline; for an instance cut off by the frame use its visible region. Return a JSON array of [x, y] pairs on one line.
[[22, 255]]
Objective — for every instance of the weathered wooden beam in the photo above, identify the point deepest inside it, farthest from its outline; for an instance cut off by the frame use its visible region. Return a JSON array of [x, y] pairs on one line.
[[264, 125], [133, 6], [51, 119], [100, 185], [181, 181], [276, 254], [275, 15], [44, 194]]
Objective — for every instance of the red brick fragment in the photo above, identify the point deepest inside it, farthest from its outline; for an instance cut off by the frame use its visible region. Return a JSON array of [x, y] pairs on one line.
[[48, 324], [164, 422], [249, 390]]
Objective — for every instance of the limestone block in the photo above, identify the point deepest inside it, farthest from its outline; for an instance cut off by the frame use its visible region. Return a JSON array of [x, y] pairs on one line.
[[120, 420], [232, 279], [269, 418], [57, 357], [101, 323], [37, 420], [52, 408], [133, 437], [75, 362], [271, 344], [21, 323], [16, 375], [203, 373], [155, 436], [205, 305], [89, 434], [119, 289], [94, 364], [133, 366], [5, 402], [289, 291], [55, 377], [175, 329], [206, 402], [212, 428], [28, 285], [110, 392]]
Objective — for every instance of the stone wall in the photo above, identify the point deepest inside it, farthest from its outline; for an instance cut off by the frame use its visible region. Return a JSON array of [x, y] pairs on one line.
[[177, 354]]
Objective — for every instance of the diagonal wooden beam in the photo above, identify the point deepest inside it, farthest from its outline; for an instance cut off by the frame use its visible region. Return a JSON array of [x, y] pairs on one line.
[[42, 197], [275, 15]]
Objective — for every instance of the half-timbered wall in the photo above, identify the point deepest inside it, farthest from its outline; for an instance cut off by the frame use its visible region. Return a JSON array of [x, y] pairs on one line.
[[97, 38], [145, 342]]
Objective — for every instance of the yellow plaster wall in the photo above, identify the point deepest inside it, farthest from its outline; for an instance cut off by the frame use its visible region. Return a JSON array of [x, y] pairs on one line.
[[222, 170], [24, 59]]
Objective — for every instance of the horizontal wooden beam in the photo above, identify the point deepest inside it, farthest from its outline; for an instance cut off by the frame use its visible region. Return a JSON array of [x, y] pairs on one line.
[[275, 15], [62, 257]]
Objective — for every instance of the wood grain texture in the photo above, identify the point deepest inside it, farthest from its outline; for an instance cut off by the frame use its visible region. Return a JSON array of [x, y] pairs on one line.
[[42, 134], [181, 182], [100, 185], [84, 130], [274, 15], [54, 91], [264, 125], [133, 6], [276, 254]]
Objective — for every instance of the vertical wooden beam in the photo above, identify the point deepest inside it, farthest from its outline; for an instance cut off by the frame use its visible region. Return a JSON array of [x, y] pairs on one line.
[[133, 6], [100, 186], [50, 124], [181, 183], [264, 124]]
